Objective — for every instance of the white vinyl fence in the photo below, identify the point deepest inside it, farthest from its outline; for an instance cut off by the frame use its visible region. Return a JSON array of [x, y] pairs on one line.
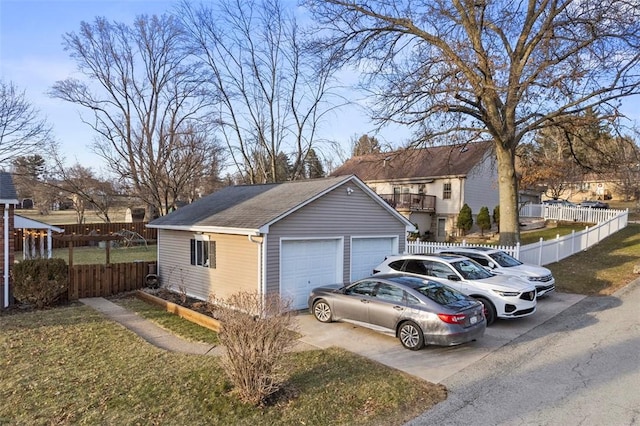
[[544, 252]]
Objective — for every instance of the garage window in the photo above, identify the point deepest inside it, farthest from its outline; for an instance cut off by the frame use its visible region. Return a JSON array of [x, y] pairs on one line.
[[203, 253]]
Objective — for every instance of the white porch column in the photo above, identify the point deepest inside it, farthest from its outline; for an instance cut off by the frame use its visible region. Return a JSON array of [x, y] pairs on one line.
[[41, 235], [49, 244]]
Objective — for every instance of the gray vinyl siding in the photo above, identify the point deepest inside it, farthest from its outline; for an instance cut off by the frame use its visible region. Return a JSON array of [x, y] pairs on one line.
[[236, 265], [334, 215], [481, 187]]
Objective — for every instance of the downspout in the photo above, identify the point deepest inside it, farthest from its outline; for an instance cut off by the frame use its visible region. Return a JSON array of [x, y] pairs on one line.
[[6, 255], [261, 271]]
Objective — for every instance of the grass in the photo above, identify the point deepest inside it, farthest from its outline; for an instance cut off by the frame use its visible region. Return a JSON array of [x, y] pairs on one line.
[[64, 217], [177, 325], [97, 255], [603, 268], [550, 233], [71, 365]]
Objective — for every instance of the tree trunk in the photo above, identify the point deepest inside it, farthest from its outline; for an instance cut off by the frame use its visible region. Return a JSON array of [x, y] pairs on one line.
[[508, 188]]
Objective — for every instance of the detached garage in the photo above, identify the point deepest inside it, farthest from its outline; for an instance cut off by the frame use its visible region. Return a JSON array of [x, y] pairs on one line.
[[285, 238]]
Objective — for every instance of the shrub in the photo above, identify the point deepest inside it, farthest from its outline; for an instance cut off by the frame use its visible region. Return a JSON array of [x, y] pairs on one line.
[[496, 216], [465, 218], [256, 332], [40, 282], [484, 220]]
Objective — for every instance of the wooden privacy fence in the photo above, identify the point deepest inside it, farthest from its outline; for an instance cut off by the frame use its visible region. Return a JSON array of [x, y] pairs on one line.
[[106, 280], [149, 234]]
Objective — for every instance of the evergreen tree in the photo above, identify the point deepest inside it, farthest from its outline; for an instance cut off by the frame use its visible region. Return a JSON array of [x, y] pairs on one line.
[[313, 165], [484, 220], [365, 145], [465, 218], [496, 216]]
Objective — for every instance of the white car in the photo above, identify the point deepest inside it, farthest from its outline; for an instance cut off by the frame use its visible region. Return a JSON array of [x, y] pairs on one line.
[[502, 263], [503, 296]]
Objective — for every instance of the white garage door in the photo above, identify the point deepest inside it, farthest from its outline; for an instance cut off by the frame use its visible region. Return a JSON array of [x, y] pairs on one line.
[[305, 264], [366, 253]]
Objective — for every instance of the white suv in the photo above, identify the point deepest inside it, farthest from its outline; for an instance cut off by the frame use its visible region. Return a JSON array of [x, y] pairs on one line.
[[503, 296], [501, 263]]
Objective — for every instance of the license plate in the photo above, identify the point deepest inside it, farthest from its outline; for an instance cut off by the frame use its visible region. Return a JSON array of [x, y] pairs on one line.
[[473, 320]]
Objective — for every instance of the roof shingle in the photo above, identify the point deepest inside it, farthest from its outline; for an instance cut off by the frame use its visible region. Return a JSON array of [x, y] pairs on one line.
[[248, 206], [7, 190], [432, 162]]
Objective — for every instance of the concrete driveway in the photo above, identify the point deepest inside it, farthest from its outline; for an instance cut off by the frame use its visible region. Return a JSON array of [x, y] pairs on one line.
[[434, 364]]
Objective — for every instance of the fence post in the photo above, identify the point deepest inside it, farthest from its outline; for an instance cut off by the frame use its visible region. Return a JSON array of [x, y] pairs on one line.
[[540, 246]]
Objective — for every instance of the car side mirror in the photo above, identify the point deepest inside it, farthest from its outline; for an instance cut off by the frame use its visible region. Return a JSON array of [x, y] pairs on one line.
[[492, 265], [453, 277]]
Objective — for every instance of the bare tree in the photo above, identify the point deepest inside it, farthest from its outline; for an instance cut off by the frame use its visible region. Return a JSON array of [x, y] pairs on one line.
[[22, 132], [147, 105], [86, 190], [273, 92], [499, 70]]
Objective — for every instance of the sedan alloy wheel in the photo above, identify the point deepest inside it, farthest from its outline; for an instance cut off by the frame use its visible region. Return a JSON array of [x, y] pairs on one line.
[[411, 336], [322, 311]]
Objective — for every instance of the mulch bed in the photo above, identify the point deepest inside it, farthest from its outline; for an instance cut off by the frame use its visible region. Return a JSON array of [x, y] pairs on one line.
[[183, 300]]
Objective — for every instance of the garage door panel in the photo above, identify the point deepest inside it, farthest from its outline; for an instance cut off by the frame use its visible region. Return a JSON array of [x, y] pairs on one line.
[[367, 253], [306, 264]]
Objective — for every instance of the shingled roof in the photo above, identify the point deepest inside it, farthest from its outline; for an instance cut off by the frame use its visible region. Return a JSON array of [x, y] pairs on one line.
[[7, 190], [432, 162], [245, 208]]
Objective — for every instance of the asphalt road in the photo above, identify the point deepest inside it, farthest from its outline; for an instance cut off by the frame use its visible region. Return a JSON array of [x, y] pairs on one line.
[[581, 367]]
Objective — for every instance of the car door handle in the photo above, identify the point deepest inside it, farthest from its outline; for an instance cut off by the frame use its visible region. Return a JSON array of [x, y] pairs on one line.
[[364, 300], [398, 308]]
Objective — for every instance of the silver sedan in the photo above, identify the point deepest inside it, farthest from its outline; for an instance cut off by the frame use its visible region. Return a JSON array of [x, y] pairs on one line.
[[417, 311]]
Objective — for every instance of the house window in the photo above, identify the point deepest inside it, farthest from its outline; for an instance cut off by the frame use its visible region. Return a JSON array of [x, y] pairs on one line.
[[203, 252], [446, 191]]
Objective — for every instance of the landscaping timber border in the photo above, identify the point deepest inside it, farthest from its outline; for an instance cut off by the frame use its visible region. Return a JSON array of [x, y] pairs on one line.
[[181, 311]]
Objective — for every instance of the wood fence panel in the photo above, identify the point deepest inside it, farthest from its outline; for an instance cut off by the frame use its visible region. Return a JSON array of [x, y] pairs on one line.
[[149, 234], [106, 280]]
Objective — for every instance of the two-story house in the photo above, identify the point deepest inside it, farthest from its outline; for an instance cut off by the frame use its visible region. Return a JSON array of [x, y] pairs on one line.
[[429, 186]]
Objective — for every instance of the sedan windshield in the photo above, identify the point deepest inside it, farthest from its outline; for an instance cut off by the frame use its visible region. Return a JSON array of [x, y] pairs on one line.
[[440, 294], [470, 270], [504, 260]]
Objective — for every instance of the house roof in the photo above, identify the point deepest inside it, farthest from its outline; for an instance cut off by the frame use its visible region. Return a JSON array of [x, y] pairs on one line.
[[252, 208], [432, 162], [7, 190], [22, 222]]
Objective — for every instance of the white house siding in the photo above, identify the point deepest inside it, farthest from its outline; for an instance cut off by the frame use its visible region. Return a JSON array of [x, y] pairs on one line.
[[236, 265], [334, 215]]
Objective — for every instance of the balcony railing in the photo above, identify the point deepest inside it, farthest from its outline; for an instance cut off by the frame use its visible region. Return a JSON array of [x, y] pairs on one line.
[[413, 202]]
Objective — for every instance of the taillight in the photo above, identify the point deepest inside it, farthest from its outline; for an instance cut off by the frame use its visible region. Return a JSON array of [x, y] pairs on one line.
[[452, 319]]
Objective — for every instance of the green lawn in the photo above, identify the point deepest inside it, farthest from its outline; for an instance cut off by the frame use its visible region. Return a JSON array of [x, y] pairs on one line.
[[97, 255], [71, 365]]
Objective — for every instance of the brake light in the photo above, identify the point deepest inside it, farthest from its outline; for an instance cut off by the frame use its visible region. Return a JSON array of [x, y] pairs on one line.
[[452, 319]]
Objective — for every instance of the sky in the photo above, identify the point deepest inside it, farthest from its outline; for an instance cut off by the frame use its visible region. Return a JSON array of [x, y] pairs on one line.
[[32, 57]]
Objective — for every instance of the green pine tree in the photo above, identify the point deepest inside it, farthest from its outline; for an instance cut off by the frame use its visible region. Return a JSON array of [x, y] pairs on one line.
[[484, 220], [465, 218]]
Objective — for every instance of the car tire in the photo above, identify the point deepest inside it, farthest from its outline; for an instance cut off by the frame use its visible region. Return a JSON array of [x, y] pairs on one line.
[[411, 336], [489, 310], [322, 311]]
